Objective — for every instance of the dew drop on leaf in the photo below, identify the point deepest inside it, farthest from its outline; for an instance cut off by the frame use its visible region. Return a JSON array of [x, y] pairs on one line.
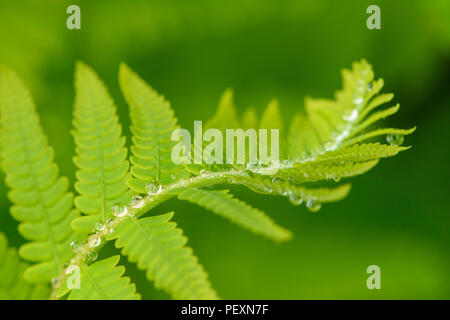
[[99, 226], [119, 210], [137, 202], [153, 189], [295, 199], [313, 205], [75, 246], [350, 115], [94, 241], [394, 139], [55, 282], [91, 256]]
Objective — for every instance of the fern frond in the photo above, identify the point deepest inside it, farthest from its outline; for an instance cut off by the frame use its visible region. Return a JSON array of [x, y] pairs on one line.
[[333, 124], [40, 198], [13, 285], [153, 122], [158, 247], [101, 152], [102, 280], [223, 204]]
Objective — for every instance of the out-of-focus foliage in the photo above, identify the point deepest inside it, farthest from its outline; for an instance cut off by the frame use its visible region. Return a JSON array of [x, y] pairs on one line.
[[396, 217]]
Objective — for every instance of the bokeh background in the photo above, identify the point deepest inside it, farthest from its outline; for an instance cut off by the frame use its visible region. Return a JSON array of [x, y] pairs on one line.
[[396, 216]]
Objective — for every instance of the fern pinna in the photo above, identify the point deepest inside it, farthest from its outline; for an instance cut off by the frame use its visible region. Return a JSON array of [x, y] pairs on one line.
[[326, 142]]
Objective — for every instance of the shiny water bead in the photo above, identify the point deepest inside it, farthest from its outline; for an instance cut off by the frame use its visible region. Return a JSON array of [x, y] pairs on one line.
[[394, 139], [295, 199], [55, 282], [70, 269], [358, 101], [313, 205], [119, 210], [99, 226], [137, 202], [91, 256], [94, 241], [75, 246], [329, 146], [203, 171], [153, 189], [350, 115]]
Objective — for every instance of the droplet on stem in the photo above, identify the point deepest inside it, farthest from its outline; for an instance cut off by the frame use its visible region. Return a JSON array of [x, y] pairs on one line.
[[94, 241], [394, 139], [119, 210], [313, 205], [75, 246], [295, 199], [153, 189], [137, 202], [91, 256]]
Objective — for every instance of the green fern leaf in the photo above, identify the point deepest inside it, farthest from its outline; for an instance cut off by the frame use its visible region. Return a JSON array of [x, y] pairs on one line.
[[333, 124], [153, 122], [101, 152], [13, 285], [40, 198], [102, 280], [158, 247], [296, 194], [223, 204]]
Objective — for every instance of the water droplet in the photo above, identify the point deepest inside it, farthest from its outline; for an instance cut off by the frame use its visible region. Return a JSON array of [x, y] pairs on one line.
[[394, 139], [91, 256], [350, 115], [358, 101], [55, 282], [337, 179], [329, 145], [295, 199], [70, 269], [369, 86], [75, 246], [99, 226], [119, 210], [173, 177], [94, 241], [153, 189], [137, 202], [313, 205], [203, 171]]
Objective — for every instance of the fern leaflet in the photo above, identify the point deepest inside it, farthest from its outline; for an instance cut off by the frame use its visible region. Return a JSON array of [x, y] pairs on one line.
[[152, 124], [223, 204], [101, 155], [158, 247], [13, 285], [41, 201]]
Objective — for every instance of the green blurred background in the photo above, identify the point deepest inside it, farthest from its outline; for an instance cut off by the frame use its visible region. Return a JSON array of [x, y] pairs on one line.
[[396, 216]]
